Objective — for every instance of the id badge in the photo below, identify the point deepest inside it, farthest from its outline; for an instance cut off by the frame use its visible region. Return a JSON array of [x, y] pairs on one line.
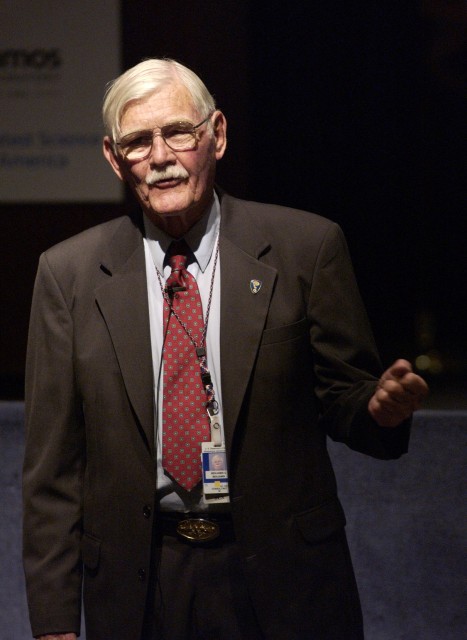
[[215, 475]]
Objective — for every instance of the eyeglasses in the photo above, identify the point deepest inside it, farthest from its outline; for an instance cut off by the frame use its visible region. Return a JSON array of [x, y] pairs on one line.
[[178, 136]]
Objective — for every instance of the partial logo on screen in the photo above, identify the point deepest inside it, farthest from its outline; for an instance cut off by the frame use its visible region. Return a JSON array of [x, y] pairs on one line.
[[30, 60]]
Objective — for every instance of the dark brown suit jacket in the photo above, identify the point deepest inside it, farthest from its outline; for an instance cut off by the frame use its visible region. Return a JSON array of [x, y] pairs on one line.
[[298, 362]]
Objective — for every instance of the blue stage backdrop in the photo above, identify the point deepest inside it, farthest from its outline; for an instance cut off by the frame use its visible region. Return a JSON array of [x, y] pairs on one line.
[[406, 528]]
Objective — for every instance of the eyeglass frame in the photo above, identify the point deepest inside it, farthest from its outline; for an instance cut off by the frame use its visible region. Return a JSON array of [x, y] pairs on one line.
[[192, 131]]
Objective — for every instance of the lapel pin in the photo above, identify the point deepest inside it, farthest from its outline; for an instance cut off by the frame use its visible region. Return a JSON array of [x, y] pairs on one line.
[[255, 285]]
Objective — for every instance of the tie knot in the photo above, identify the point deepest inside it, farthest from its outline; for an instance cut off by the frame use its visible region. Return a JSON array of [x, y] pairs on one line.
[[177, 262]]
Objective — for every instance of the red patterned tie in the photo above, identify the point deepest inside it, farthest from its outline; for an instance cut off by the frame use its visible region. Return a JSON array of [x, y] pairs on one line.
[[185, 420]]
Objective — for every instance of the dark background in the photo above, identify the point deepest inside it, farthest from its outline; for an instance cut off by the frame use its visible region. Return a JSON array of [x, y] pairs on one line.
[[354, 110]]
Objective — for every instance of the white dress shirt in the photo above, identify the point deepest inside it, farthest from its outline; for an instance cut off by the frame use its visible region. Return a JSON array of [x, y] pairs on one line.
[[202, 239]]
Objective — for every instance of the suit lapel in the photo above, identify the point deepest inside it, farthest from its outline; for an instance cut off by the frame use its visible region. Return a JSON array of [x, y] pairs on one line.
[[243, 312], [123, 302]]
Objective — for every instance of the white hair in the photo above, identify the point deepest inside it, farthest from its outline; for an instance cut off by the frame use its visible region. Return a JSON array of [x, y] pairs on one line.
[[143, 80]]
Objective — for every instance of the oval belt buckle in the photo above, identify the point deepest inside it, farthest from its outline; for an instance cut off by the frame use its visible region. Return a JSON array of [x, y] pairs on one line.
[[198, 530]]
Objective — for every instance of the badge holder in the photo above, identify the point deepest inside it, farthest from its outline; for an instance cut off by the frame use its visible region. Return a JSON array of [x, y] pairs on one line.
[[214, 464]]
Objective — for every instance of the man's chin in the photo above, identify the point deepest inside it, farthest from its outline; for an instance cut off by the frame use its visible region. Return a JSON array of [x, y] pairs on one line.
[[166, 202]]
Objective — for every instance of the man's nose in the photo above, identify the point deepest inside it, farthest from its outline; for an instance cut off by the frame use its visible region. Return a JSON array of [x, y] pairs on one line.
[[160, 152]]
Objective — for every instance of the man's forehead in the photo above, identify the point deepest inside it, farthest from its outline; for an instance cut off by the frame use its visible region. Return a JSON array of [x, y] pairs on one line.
[[168, 103]]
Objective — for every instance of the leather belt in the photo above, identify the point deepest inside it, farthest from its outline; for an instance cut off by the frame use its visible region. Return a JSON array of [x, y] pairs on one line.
[[196, 528]]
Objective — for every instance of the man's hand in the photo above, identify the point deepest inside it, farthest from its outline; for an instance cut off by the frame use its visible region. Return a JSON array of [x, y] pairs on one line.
[[399, 393], [58, 636]]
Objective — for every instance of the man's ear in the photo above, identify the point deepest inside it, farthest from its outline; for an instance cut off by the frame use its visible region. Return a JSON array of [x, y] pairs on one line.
[[111, 157], [220, 133]]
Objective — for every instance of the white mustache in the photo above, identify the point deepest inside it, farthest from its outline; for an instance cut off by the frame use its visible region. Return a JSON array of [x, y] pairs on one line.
[[169, 173]]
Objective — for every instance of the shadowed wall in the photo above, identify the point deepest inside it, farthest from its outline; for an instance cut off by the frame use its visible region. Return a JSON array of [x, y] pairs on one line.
[[352, 110]]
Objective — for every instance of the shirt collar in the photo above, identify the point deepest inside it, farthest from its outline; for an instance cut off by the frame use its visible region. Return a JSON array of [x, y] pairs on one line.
[[201, 238]]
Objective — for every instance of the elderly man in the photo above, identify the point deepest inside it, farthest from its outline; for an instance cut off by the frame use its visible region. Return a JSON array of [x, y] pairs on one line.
[[201, 325]]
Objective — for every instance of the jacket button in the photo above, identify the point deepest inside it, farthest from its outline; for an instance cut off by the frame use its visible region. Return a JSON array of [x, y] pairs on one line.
[[142, 575], [147, 511]]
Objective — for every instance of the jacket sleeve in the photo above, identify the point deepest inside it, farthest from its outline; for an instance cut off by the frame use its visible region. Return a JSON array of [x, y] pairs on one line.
[[53, 465], [347, 365]]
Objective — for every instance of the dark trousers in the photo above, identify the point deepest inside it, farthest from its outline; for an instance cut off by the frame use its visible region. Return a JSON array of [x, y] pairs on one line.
[[198, 592]]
